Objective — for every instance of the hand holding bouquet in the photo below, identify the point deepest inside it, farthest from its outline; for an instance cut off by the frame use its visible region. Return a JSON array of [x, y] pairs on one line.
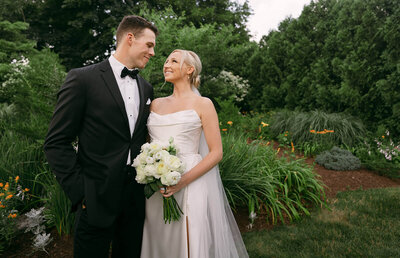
[[157, 166]]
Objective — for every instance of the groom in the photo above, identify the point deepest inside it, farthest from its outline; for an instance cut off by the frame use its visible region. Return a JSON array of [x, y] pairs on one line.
[[105, 108]]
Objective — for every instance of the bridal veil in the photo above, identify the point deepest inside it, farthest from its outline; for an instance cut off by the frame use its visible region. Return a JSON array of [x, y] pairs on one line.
[[223, 231]]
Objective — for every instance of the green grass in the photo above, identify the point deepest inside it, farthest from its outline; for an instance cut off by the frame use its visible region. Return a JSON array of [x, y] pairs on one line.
[[58, 206], [358, 224], [20, 156]]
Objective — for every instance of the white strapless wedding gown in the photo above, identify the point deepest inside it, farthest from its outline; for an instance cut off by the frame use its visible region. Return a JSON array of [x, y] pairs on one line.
[[207, 228]]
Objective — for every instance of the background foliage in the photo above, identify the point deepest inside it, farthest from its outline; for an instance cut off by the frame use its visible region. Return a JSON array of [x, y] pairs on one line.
[[338, 56]]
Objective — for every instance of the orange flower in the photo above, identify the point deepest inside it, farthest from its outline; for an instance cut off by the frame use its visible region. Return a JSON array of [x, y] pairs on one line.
[[229, 122], [6, 186], [264, 124], [383, 136], [312, 131], [1, 194], [2, 206], [13, 216], [1, 185], [291, 143], [224, 129], [268, 143], [26, 189], [16, 179], [277, 151], [9, 196]]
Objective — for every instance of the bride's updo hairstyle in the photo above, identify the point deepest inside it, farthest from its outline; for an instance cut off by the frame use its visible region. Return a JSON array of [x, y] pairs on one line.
[[190, 58]]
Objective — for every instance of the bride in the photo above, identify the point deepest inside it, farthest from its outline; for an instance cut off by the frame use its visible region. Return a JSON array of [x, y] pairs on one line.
[[207, 228]]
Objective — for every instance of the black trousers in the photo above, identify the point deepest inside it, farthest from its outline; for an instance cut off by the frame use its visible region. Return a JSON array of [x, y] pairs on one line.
[[124, 235]]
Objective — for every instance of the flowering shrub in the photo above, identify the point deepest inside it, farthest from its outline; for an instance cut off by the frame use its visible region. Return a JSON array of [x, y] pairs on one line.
[[284, 139], [11, 196], [380, 154], [226, 86], [239, 86], [386, 146]]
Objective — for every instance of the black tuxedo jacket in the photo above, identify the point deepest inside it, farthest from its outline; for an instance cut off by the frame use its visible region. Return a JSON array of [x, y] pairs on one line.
[[90, 108]]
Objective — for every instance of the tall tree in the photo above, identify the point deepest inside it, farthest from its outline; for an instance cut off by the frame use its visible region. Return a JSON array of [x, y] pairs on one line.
[[81, 31], [338, 56]]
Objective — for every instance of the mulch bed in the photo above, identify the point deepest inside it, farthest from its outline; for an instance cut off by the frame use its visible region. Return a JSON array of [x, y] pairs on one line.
[[335, 181]]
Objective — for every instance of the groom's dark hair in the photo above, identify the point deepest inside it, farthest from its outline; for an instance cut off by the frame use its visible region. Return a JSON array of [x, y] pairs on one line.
[[134, 24]]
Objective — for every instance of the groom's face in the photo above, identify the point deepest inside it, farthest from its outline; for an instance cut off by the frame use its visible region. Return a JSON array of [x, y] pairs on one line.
[[142, 48]]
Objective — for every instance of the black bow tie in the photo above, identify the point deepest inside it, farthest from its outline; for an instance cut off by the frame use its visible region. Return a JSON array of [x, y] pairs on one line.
[[132, 74]]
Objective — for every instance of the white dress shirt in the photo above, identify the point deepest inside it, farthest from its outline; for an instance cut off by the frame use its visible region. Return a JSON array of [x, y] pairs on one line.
[[130, 94]]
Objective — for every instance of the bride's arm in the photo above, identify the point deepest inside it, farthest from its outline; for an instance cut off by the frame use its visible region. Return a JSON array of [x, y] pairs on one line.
[[209, 119]]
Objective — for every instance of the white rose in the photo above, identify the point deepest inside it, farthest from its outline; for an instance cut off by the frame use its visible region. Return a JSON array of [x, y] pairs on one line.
[[154, 147], [161, 155], [149, 160], [136, 162], [145, 147], [140, 175], [150, 170], [162, 169], [141, 179], [173, 162], [142, 157], [171, 178]]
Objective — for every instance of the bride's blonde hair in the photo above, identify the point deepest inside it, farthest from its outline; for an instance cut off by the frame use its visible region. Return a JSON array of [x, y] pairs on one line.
[[191, 59]]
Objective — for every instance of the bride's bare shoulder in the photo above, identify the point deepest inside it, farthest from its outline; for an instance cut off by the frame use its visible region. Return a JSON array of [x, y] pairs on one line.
[[206, 102], [205, 105], [157, 103]]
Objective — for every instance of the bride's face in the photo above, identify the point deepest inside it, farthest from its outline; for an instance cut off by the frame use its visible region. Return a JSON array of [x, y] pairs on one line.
[[173, 70]]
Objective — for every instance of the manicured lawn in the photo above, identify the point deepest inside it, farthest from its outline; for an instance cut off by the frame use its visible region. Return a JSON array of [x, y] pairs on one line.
[[358, 224]]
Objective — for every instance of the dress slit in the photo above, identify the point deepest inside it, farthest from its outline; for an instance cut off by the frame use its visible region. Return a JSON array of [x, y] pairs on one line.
[[187, 236]]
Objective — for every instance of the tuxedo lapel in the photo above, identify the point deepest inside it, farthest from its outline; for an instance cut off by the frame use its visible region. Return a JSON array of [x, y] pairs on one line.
[[140, 84], [110, 81]]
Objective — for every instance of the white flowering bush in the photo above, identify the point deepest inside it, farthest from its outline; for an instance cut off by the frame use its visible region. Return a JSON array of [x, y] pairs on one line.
[[238, 85], [158, 166], [226, 86], [380, 154], [18, 68], [388, 148]]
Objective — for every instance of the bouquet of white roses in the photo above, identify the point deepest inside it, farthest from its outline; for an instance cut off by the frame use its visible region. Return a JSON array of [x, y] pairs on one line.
[[157, 166]]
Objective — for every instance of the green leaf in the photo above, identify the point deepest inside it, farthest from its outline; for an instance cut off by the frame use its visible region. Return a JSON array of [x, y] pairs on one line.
[[148, 190]]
